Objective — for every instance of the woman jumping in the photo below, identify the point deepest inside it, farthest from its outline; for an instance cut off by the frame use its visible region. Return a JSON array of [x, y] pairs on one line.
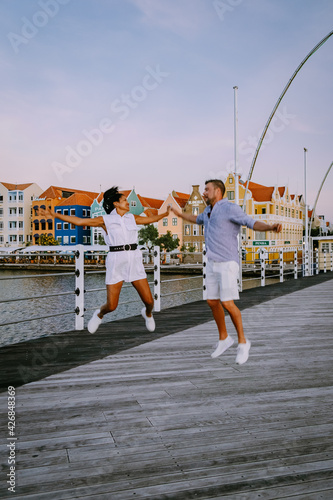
[[124, 260]]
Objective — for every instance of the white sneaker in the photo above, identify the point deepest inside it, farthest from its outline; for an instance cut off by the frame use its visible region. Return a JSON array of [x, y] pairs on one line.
[[94, 322], [150, 322], [243, 352], [222, 346]]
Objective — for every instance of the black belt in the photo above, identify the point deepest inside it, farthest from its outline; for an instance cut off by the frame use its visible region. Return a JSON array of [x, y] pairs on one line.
[[120, 248]]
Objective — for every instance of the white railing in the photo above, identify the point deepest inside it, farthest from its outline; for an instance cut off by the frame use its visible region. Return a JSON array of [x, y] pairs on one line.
[[258, 264]]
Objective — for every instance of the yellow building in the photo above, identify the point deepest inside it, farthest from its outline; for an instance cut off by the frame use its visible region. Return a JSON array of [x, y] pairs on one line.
[[270, 204], [193, 234]]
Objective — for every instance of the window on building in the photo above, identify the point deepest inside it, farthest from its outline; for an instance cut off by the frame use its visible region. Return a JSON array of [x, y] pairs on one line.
[[66, 225], [195, 210], [196, 246], [43, 226], [20, 195], [88, 212], [1, 198], [296, 214], [231, 180], [36, 226], [1, 239], [133, 203], [202, 229], [174, 236], [12, 238], [59, 239], [21, 239], [72, 211], [73, 239], [84, 212], [66, 240], [12, 195], [72, 226], [165, 221], [282, 211], [293, 213], [1, 212], [263, 210], [84, 239], [277, 210], [260, 235], [20, 210], [88, 240], [174, 221], [325, 247], [66, 212], [12, 225], [12, 211], [187, 229], [195, 230], [58, 226], [231, 195], [50, 226], [288, 212], [21, 224]]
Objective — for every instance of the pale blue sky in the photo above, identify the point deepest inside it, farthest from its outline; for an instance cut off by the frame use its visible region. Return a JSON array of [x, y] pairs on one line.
[[157, 78]]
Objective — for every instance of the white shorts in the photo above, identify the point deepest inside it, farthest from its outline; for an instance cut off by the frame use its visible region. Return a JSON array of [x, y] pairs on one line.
[[222, 280], [124, 266]]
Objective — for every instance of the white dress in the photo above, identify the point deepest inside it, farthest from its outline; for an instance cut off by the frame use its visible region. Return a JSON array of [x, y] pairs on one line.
[[125, 265]]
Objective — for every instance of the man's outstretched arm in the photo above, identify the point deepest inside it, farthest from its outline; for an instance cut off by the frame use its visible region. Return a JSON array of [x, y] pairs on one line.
[[262, 226]]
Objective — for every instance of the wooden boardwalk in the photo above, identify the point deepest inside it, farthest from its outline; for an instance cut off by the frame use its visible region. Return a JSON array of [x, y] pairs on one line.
[[157, 418]]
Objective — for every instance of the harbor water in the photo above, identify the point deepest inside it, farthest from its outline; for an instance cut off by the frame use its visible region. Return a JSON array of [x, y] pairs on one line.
[[173, 293]]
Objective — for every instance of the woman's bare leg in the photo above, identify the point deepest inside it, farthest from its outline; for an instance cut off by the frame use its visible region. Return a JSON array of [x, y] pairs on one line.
[[112, 299], [143, 289]]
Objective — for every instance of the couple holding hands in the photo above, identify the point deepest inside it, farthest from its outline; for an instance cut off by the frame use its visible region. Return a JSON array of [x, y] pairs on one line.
[[221, 219]]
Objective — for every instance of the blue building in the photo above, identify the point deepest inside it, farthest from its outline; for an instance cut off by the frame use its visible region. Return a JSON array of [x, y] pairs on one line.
[[77, 204]]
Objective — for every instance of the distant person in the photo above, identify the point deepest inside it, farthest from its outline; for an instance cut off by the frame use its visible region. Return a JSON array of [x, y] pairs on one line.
[[124, 260], [222, 220]]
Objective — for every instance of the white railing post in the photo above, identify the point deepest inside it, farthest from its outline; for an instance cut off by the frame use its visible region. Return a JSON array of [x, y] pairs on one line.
[[204, 271], [295, 264], [324, 261], [157, 279], [262, 266], [79, 287], [281, 265], [317, 261]]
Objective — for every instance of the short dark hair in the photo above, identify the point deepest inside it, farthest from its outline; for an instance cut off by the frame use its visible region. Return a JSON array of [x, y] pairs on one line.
[[218, 184], [110, 196]]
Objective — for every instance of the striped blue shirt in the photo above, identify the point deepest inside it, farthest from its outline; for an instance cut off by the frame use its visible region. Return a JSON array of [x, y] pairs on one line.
[[222, 228]]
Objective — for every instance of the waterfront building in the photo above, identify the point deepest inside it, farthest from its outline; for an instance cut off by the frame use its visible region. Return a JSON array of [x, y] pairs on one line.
[[172, 223], [52, 197], [78, 204], [15, 213], [193, 234], [270, 204]]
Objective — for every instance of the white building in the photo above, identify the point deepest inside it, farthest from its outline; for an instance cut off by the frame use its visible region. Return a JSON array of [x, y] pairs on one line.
[[15, 213]]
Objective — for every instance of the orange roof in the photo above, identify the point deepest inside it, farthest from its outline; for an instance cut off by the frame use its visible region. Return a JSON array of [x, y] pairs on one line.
[[262, 193], [184, 196], [181, 201], [150, 202], [14, 187], [57, 192], [77, 199]]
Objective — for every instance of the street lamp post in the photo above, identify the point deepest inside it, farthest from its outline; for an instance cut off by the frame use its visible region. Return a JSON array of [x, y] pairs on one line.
[[306, 237], [236, 174]]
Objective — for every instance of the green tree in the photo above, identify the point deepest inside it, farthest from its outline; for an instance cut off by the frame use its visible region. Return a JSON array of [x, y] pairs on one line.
[[184, 249], [47, 240], [148, 236], [167, 242]]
